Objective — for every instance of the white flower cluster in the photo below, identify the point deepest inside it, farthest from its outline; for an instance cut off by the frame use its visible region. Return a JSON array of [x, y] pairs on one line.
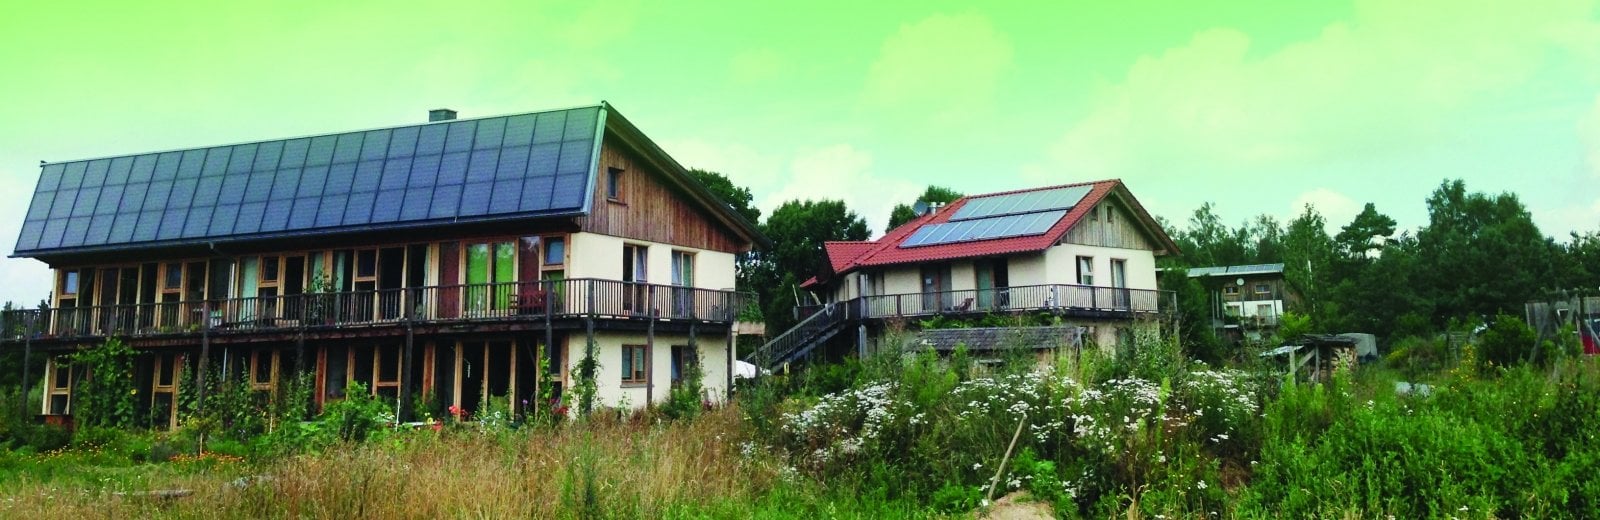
[[842, 423], [1127, 405], [1231, 386]]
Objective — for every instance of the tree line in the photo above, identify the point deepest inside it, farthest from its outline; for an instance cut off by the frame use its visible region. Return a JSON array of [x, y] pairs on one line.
[[1478, 255]]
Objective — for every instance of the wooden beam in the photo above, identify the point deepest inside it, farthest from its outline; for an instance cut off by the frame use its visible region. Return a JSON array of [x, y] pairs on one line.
[[650, 347]]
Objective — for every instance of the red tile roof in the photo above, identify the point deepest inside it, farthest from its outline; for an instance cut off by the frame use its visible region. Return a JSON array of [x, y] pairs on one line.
[[840, 253], [846, 256]]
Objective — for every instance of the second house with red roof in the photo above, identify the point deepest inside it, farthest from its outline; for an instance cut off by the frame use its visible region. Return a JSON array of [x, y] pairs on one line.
[[1081, 257]]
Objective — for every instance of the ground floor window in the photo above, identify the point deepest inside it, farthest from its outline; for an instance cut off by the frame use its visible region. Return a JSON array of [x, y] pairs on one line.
[[683, 360], [58, 399], [635, 364]]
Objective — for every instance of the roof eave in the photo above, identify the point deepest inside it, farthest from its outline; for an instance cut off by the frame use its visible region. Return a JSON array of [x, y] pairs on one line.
[[631, 135], [42, 254]]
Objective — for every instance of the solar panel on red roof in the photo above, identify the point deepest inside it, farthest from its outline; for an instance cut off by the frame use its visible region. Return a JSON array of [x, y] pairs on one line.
[[1019, 203], [1005, 226]]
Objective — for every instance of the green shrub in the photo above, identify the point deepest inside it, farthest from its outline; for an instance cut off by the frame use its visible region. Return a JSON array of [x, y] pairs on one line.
[[356, 417], [1507, 341], [40, 438]]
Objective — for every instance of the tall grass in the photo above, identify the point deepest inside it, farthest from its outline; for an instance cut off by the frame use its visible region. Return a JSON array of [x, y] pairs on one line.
[[605, 469]]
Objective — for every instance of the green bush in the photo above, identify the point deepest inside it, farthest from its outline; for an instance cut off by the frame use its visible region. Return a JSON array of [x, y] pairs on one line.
[[40, 438], [1507, 341], [358, 416]]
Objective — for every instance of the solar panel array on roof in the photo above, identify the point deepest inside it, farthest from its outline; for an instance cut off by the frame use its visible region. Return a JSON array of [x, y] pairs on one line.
[[1019, 203], [1028, 224], [513, 165]]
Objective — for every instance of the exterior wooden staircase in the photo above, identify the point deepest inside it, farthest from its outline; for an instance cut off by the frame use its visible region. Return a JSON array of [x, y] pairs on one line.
[[801, 339]]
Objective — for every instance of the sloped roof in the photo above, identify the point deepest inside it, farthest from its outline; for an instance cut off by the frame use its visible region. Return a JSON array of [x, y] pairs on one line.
[[1236, 270], [891, 248], [840, 253], [525, 165]]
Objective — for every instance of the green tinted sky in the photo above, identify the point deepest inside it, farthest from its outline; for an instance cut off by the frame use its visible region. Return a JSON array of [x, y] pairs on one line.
[[1260, 107]]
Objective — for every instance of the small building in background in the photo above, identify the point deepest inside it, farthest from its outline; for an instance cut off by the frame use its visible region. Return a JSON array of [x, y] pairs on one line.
[[1246, 301]]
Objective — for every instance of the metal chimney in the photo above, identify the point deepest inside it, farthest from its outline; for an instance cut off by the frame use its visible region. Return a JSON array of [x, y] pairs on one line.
[[441, 114]]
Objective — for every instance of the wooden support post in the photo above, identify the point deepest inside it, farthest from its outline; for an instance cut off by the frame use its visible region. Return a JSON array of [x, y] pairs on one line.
[[30, 321], [406, 356], [588, 323], [650, 346], [205, 357], [728, 390]]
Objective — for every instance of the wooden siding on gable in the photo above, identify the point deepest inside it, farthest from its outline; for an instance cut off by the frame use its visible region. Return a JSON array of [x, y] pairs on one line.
[[1121, 231], [647, 208]]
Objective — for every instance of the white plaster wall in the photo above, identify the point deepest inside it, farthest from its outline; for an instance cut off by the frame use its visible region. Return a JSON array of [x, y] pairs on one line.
[[963, 276], [1026, 269], [600, 256], [1061, 265], [611, 392], [594, 256], [902, 280]]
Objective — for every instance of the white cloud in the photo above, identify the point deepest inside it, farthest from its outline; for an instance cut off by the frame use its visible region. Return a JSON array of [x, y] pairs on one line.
[[844, 172], [751, 66], [942, 70], [741, 163], [1589, 128], [1582, 217], [1397, 74], [1336, 208]]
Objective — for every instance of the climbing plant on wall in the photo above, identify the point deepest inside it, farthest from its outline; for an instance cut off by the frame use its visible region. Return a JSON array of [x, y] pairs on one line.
[[106, 395]]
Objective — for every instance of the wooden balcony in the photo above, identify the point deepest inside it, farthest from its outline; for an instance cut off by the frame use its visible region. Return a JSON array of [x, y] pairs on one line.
[[1058, 298], [541, 301]]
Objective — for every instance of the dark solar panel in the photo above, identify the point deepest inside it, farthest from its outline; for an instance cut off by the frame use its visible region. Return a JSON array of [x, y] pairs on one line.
[[1007, 226], [96, 175], [1018, 203], [243, 160], [119, 170], [523, 164]]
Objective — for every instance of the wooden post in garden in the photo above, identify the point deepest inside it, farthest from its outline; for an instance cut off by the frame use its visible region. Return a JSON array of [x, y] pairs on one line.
[[205, 356], [1000, 471]]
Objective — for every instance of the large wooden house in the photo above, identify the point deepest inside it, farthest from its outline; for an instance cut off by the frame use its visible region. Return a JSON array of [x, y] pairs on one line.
[[1084, 252], [439, 260]]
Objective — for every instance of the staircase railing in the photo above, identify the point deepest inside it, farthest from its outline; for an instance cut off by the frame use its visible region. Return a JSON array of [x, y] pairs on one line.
[[819, 322]]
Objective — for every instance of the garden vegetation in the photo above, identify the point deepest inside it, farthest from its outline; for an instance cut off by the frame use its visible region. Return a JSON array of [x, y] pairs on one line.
[[1149, 434]]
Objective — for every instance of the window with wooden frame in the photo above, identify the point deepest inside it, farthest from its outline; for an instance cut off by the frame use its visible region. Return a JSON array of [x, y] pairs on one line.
[[614, 184], [635, 274], [553, 266], [58, 399], [1085, 270], [635, 364], [263, 369], [1262, 288], [683, 360], [1231, 289], [169, 293], [164, 390], [386, 368], [489, 270]]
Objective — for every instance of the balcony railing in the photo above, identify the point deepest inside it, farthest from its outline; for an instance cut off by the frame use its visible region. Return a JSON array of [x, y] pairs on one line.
[[432, 304], [1052, 297]]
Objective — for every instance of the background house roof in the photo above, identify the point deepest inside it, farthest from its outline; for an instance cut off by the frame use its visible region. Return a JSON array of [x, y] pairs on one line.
[[893, 249], [1236, 270], [517, 166]]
